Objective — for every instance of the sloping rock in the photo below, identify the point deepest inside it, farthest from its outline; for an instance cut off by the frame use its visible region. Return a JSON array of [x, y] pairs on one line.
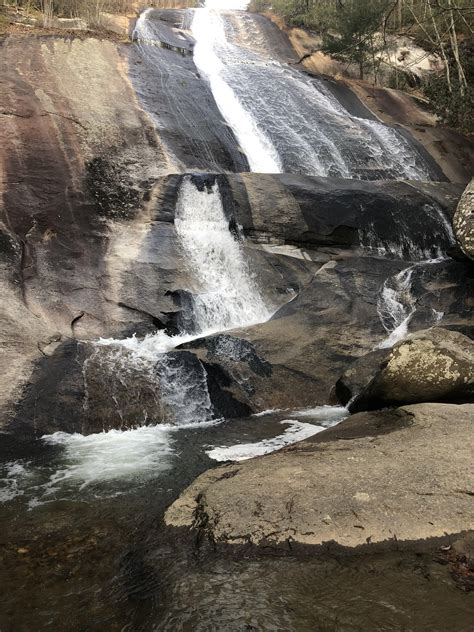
[[333, 320], [433, 365], [463, 221], [395, 219], [169, 86], [382, 477]]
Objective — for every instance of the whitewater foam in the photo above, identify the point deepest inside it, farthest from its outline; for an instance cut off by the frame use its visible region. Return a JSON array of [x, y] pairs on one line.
[[326, 416], [296, 431]]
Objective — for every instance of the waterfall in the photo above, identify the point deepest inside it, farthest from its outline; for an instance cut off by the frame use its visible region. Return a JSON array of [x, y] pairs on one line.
[[396, 304], [288, 122], [208, 31], [225, 295]]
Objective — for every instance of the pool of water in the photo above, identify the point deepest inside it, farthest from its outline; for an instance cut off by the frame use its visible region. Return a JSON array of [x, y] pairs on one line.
[[84, 547]]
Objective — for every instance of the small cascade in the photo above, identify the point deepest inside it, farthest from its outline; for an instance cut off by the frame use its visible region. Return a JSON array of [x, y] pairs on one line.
[[226, 294], [150, 381], [397, 304], [183, 388], [402, 235]]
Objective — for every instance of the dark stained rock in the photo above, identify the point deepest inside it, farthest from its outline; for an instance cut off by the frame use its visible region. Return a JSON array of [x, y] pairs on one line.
[[435, 365]]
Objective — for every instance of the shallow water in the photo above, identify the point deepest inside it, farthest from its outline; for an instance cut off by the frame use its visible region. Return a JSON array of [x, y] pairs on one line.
[[84, 548]]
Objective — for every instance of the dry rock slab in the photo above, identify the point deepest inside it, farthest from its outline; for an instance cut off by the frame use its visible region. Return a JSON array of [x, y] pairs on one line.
[[378, 477]]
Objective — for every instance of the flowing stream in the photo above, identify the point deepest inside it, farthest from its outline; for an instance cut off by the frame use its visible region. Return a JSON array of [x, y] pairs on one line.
[[286, 122]]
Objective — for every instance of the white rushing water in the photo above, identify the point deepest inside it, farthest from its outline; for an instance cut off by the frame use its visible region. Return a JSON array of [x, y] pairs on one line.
[[110, 456], [327, 416], [106, 464], [209, 34], [13, 475], [285, 121], [225, 295], [396, 304], [296, 431]]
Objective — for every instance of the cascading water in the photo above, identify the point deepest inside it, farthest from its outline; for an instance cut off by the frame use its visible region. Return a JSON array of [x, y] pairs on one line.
[[286, 122], [395, 307], [225, 296], [424, 237], [210, 37], [397, 304]]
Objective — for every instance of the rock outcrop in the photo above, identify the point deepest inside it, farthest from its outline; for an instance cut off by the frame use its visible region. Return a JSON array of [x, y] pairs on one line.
[[333, 320], [383, 477], [88, 246], [430, 366], [463, 221], [326, 246]]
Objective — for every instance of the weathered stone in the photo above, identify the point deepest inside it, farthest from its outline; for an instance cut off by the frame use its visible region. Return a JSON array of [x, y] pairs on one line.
[[463, 221], [377, 477], [430, 366], [311, 340]]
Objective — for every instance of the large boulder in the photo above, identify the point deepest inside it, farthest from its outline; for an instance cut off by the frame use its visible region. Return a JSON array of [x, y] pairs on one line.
[[379, 477], [463, 221], [431, 365]]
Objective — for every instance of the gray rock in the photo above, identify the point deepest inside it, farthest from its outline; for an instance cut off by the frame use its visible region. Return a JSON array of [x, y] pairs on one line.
[[463, 221], [429, 366], [381, 477]]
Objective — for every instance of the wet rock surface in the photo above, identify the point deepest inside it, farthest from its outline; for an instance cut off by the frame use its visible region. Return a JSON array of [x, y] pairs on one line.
[[351, 485], [304, 240], [333, 320], [430, 366], [170, 88]]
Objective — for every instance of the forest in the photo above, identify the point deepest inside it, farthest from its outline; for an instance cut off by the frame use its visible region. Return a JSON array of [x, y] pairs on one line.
[[356, 31]]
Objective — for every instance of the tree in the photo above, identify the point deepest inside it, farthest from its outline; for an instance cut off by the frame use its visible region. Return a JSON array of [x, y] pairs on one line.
[[354, 33]]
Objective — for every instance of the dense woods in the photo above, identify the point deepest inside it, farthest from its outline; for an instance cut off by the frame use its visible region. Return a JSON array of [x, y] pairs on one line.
[[356, 31]]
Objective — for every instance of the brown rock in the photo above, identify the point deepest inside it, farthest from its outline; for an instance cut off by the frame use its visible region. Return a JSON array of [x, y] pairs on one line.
[[350, 484], [431, 365]]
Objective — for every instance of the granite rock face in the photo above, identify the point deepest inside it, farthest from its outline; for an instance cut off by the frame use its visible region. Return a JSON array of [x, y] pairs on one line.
[[463, 221], [429, 366], [385, 477]]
